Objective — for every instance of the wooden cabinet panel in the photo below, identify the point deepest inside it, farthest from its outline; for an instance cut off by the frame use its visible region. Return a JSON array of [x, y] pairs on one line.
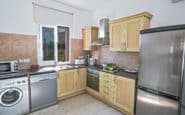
[[124, 32], [81, 79], [89, 34], [125, 94], [71, 82], [116, 37], [106, 86], [117, 90], [132, 34], [66, 82]]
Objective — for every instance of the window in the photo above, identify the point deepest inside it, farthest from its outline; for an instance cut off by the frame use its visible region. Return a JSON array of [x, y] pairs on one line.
[[48, 43], [63, 43], [54, 43]]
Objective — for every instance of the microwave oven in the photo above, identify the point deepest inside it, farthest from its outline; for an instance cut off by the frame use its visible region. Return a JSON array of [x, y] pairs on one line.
[[8, 66]]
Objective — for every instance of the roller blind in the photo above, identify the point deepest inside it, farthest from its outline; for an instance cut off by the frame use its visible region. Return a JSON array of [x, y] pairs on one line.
[[51, 16]]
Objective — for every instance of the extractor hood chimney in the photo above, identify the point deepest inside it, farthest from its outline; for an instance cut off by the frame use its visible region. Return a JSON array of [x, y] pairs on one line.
[[103, 34]]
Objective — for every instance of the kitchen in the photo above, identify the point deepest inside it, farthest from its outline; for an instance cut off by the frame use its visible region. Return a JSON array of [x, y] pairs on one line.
[[66, 57]]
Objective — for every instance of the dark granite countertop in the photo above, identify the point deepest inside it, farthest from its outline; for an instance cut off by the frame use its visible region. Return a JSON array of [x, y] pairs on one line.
[[12, 75], [50, 69], [42, 70], [121, 72]]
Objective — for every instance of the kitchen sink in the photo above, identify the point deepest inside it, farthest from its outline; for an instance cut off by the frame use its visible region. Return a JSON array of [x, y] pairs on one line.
[[63, 67], [47, 69]]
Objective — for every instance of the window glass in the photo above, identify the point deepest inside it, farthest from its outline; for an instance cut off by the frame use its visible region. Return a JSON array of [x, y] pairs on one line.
[[63, 44], [48, 43]]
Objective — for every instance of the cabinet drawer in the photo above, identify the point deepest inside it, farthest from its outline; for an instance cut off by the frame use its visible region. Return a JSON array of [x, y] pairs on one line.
[[107, 82]]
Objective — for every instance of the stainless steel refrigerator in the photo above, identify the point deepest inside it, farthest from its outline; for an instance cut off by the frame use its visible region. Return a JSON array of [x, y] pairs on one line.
[[161, 72]]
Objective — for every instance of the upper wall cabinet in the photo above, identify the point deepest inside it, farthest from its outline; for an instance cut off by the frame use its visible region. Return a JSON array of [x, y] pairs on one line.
[[89, 34], [124, 32]]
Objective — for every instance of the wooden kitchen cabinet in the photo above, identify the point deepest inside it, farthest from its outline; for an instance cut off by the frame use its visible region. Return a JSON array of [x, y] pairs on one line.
[[71, 82], [125, 94], [81, 79], [117, 34], [119, 91], [124, 32], [106, 86], [89, 34], [66, 81]]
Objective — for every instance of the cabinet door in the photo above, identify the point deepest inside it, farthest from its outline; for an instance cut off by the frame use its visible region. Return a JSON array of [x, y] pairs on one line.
[[89, 34], [66, 82], [125, 94], [133, 28], [86, 39], [117, 36], [81, 79]]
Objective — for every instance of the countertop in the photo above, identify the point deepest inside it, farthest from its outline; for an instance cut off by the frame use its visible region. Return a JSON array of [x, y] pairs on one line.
[[42, 70], [51, 69], [121, 72]]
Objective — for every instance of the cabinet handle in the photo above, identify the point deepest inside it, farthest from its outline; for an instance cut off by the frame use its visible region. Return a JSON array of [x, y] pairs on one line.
[[106, 87], [121, 45], [106, 81], [106, 92], [125, 45]]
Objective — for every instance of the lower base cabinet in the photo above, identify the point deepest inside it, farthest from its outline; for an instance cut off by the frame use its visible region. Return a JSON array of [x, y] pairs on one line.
[[118, 91], [125, 94], [70, 82]]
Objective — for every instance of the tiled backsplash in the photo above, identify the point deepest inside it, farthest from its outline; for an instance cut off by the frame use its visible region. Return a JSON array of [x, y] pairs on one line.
[[76, 49], [122, 59], [18, 46]]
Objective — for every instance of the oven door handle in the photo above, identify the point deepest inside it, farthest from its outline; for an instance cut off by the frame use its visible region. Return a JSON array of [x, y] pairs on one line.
[[89, 74]]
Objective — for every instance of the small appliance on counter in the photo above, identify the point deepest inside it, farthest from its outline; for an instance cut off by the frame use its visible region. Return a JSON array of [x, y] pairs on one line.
[[91, 61], [79, 61], [82, 60], [8, 66]]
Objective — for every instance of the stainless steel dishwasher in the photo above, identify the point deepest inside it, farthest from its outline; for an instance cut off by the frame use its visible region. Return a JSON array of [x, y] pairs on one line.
[[43, 90]]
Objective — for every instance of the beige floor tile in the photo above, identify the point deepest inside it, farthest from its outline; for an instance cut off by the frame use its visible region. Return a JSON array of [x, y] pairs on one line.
[[79, 105]]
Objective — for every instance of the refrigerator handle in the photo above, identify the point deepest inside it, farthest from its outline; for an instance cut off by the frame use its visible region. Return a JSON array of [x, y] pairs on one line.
[[182, 73]]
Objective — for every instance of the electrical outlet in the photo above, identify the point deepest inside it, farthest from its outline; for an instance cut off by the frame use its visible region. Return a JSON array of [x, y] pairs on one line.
[[27, 60], [21, 61]]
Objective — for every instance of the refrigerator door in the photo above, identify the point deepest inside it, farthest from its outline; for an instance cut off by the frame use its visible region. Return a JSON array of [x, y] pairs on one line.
[[151, 104], [182, 109], [161, 57], [183, 90]]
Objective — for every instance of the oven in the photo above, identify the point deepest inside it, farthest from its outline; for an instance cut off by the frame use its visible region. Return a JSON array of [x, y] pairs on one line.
[[93, 79]]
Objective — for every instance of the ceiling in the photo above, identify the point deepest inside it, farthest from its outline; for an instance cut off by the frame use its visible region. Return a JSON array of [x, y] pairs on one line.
[[93, 5], [85, 4]]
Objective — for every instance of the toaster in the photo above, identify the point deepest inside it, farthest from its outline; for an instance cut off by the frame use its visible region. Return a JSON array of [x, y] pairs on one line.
[[79, 61]]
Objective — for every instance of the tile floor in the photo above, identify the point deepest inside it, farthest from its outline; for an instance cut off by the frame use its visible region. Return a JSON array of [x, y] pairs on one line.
[[79, 105]]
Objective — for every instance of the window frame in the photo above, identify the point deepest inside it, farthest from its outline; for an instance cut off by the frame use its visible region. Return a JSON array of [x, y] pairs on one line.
[[55, 61]]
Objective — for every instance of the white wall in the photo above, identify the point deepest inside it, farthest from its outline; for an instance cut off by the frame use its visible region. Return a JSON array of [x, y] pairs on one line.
[[164, 12], [17, 16]]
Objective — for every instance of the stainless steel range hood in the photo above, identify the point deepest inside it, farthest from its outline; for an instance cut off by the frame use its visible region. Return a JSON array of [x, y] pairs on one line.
[[103, 34]]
